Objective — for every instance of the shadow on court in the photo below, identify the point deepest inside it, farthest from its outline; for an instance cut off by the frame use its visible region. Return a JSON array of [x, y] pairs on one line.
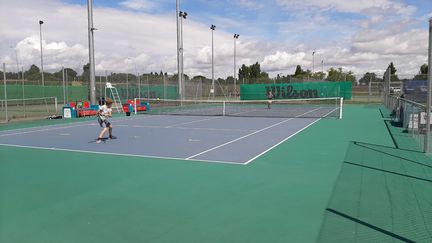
[[382, 194]]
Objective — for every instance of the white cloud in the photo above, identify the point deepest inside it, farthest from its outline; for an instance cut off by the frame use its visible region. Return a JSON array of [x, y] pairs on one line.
[[138, 4], [251, 4], [357, 6], [127, 39], [412, 42], [280, 61]]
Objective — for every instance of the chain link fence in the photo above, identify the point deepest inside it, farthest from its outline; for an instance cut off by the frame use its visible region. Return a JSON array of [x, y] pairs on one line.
[[406, 97]]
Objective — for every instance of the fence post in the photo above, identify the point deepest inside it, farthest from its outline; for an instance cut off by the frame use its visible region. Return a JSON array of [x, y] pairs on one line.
[[388, 85], [428, 118], [64, 86], [370, 89], [5, 92]]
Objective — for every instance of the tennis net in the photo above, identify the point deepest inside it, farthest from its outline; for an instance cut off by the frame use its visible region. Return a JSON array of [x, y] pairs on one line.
[[301, 108]]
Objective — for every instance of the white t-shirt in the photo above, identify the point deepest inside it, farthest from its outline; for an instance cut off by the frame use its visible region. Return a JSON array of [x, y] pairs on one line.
[[104, 112]]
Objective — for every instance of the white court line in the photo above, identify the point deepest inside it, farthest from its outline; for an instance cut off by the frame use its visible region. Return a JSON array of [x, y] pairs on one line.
[[248, 135], [191, 122], [75, 122], [189, 128], [48, 129], [207, 119], [292, 135], [63, 126], [120, 154]]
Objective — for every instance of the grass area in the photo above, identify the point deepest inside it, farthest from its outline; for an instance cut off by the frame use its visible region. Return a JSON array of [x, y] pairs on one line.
[[55, 196]]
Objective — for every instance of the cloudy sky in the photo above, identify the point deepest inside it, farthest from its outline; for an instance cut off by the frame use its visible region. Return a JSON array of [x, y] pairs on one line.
[[357, 35]]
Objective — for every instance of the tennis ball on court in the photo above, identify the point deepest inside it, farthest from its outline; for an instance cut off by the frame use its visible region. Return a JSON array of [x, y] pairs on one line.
[[158, 99]]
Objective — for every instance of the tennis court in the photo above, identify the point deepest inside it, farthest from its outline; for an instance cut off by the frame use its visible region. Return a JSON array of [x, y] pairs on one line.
[[221, 139]]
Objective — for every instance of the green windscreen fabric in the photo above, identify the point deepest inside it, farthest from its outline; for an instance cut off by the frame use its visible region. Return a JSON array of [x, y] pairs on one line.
[[152, 91], [297, 90], [18, 91]]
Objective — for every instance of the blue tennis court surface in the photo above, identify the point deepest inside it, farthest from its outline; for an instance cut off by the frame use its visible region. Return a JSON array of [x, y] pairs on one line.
[[236, 140]]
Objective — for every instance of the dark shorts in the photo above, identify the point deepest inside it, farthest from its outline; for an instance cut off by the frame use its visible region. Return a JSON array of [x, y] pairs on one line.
[[104, 123]]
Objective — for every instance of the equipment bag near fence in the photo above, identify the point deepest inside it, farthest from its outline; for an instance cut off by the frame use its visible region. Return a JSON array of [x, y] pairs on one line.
[[297, 90]]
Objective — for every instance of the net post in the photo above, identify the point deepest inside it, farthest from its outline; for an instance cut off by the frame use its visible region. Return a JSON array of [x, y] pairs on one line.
[[223, 109], [55, 104], [135, 106], [340, 107]]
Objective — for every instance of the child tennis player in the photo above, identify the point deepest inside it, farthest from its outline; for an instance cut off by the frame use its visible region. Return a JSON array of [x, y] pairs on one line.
[[104, 113], [270, 97]]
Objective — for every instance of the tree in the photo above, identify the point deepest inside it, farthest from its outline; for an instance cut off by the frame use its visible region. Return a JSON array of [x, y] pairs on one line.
[[423, 73], [70, 74], [244, 72], [199, 77], [369, 77], [253, 73], [58, 75], [318, 75], [393, 71], [86, 72], [424, 69], [229, 80], [303, 74], [299, 71], [340, 75], [255, 70], [33, 73]]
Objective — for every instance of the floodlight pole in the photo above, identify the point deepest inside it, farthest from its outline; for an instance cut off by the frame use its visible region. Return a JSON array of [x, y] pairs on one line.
[[139, 86], [182, 15], [180, 90], [5, 91], [101, 93], [127, 86], [322, 66], [22, 82], [429, 101], [17, 63], [213, 27], [313, 62], [41, 52], [236, 36], [106, 81], [66, 84], [91, 52], [182, 59]]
